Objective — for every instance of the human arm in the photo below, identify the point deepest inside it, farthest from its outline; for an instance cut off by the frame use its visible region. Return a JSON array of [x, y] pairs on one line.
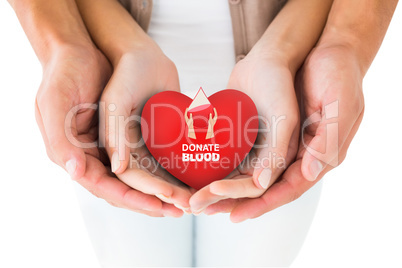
[[51, 26], [332, 103], [267, 74], [74, 74], [140, 70]]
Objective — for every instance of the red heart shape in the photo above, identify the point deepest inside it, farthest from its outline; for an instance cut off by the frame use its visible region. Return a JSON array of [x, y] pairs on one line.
[[166, 135]]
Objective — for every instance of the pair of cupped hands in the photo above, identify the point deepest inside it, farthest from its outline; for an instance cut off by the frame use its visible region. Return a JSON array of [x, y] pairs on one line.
[[317, 112]]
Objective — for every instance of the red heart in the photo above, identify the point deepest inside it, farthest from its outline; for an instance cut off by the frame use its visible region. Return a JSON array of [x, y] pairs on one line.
[[166, 134]]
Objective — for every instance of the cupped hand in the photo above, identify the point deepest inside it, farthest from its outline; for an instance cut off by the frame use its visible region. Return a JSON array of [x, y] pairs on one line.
[[137, 76], [269, 83], [66, 113], [73, 79], [332, 107]]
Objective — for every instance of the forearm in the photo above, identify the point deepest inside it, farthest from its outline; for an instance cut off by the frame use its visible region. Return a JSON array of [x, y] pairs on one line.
[[112, 28], [294, 32], [50, 24], [360, 26]]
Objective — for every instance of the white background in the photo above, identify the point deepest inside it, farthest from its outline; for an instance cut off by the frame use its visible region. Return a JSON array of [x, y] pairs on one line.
[[358, 221]]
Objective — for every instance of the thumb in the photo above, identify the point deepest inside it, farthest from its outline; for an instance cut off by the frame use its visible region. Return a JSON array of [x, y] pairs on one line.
[[117, 120], [320, 152], [55, 129], [323, 149], [277, 149]]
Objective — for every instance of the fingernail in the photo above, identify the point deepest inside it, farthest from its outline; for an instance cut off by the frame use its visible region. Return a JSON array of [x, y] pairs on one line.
[[198, 212], [152, 209], [170, 214], [213, 190], [315, 169], [181, 207], [217, 193], [71, 166], [265, 178], [210, 213], [115, 161], [238, 220], [164, 198]]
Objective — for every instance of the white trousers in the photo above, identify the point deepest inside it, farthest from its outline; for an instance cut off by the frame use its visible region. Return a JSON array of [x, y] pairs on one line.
[[122, 238]]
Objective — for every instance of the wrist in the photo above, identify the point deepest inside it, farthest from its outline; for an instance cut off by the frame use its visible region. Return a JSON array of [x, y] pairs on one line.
[[338, 56], [346, 43], [132, 51], [361, 30], [275, 55], [57, 46], [51, 26]]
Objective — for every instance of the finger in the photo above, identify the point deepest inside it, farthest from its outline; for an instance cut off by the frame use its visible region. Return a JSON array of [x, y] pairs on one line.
[[158, 183], [276, 150], [289, 188], [97, 181], [348, 141], [157, 214], [144, 181], [202, 199], [238, 187], [166, 211], [117, 120], [39, 122], [332, 132], [180, 193], [180, 198], [169, 210], [345, 146], [51, 113], [223, 206]]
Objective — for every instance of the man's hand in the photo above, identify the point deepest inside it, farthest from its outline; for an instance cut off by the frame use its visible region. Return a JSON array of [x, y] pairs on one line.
[[330, 83], [73, 76], [332, 105], [73, 79]]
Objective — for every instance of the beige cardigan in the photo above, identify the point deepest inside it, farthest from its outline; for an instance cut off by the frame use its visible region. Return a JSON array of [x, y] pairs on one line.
[[250, 18]]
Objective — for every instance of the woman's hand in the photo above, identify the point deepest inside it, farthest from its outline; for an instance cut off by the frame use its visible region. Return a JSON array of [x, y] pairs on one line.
[[267, 76], [65, 110], [140, 70], [138, 75], [269, 83]]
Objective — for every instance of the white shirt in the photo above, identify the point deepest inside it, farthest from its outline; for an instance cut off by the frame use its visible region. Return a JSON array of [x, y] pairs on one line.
[[197, 36]]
